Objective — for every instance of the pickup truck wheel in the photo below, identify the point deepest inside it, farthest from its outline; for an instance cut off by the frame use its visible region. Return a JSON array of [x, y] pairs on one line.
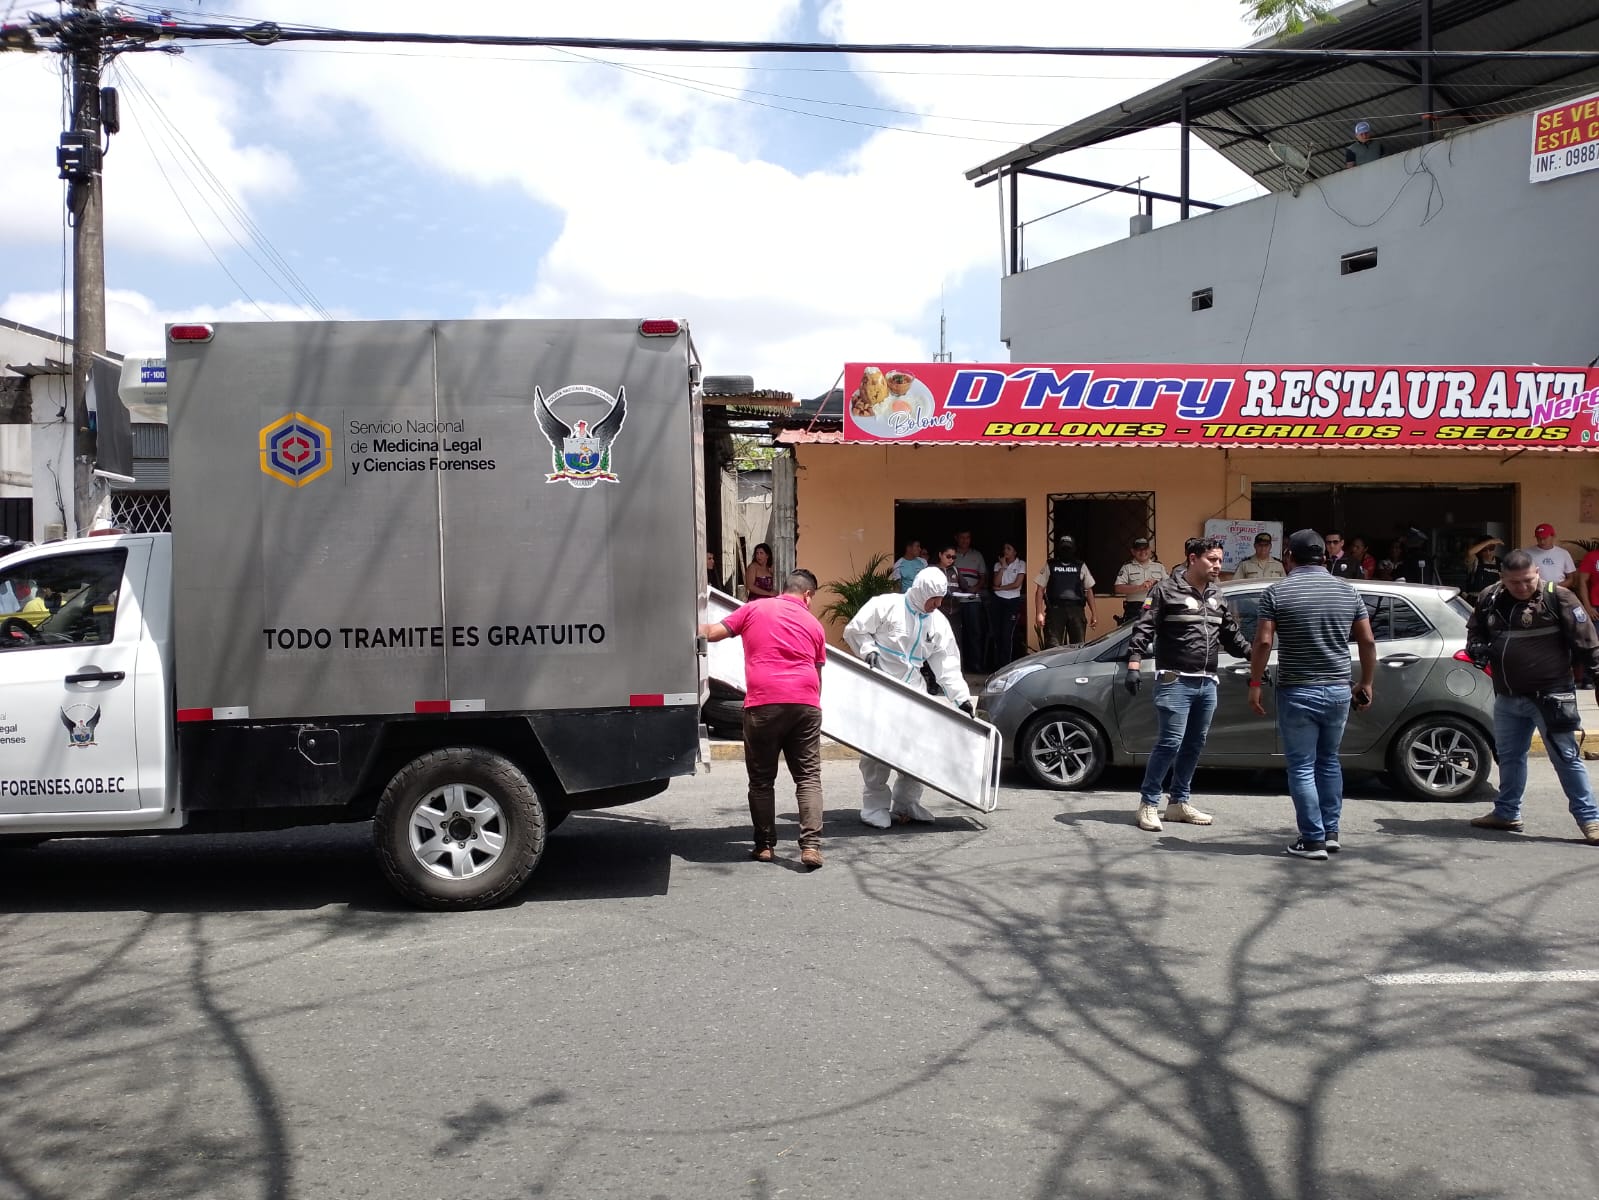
[[459, 828]]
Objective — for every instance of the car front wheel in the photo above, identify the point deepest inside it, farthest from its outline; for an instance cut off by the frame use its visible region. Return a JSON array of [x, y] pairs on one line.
[[1439, 758], [1062, 750]]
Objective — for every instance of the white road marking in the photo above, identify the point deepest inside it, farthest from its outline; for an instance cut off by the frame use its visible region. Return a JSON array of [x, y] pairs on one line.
[[1414, 978]]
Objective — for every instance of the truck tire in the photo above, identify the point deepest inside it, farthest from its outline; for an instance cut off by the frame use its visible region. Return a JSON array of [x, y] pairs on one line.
[[728, 385], [459, 828]]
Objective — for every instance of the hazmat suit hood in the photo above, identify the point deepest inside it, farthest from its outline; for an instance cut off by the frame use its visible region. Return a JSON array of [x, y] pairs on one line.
[[929, 582]]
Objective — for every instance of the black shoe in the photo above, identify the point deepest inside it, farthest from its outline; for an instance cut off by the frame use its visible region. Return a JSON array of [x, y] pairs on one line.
[[1304, 849], [1332, 844]]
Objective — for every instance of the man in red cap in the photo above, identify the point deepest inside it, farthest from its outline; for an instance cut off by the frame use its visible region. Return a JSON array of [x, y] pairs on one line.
[[1554, 562]]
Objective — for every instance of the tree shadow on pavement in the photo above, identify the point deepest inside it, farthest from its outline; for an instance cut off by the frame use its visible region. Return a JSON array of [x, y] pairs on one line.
[[1460, 829], [593, 855], [1218, 1059]]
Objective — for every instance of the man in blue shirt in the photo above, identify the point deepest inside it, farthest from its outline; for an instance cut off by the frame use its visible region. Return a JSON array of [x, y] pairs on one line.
[[1313, 616]]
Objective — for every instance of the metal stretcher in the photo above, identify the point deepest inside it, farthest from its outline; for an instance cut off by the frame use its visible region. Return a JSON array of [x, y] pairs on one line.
[[901, 725]]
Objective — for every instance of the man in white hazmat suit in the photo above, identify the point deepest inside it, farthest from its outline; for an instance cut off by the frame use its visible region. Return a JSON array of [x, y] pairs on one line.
[[896, 634]]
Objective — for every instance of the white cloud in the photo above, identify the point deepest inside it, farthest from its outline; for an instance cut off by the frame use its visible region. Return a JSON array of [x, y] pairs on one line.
[[135, 325], [667, 201], [178, 117]]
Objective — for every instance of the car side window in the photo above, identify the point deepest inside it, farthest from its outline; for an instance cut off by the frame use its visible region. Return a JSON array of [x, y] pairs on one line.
[[70, 599], [1246, 610], [1405, 621], [1377, 610]]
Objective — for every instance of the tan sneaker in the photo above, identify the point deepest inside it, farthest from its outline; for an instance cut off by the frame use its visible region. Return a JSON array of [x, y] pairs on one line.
[[1149, 818], [811, 859], [1590, 833], [1495, 821], [1187, 814]]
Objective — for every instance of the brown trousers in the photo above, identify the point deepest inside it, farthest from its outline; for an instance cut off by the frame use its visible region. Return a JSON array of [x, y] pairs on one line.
[[795, 731]]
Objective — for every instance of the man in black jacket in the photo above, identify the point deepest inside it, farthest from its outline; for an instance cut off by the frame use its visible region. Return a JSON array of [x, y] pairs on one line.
[[1531, 633], [1188, 623]]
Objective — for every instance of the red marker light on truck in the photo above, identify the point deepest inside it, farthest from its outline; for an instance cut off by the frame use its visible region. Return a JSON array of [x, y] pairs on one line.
[[660, 327], [191, 333]]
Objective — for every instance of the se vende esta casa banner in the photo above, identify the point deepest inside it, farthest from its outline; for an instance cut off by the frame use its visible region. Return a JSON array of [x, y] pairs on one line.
[[1163, 404]]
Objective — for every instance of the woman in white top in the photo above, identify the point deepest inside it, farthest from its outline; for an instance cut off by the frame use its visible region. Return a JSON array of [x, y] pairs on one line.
[[1010, 574]]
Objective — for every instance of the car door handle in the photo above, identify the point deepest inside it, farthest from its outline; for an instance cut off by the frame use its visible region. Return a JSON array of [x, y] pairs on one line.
[[1400, 660], [98, 677]]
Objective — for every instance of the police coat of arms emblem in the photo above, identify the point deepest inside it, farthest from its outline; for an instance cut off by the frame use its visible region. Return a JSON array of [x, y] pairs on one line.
[[581, 451]]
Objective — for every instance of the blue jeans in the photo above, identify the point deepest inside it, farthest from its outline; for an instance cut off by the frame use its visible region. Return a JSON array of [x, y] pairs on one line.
[[1515, 717], [1310, 721], [1184, 708]]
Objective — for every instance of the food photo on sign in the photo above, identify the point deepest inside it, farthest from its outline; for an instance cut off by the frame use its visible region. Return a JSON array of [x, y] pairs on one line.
[[890, 404]]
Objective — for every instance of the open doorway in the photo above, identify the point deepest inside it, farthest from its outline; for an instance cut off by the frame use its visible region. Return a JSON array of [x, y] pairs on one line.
[[991, 523], [1451, 516]]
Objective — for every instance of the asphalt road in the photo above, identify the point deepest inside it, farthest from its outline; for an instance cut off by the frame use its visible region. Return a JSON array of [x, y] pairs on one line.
[[1054, 1005]]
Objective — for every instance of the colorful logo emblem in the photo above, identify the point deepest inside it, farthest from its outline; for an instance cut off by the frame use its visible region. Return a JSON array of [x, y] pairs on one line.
[[80, 720], [581, 452], [295, 449]]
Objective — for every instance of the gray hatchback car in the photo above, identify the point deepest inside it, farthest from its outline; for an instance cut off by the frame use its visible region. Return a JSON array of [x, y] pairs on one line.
[[1065, 715]]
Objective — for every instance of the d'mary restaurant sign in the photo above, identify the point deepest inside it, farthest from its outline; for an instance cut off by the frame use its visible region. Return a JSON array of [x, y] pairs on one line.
[[1163, 404]]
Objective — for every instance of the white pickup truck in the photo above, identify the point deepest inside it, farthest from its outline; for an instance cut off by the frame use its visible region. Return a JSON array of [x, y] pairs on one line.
[[440, 575]]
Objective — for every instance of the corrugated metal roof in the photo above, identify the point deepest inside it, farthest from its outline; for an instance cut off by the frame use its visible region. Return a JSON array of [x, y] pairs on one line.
[[1240, 106], [149, 441]]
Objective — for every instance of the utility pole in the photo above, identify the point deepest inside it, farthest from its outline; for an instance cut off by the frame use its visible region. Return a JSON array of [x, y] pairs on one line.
[[80, 159]]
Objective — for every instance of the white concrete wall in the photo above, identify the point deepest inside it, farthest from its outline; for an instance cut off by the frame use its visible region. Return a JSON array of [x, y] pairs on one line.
[[1475, 265], [16, 441]]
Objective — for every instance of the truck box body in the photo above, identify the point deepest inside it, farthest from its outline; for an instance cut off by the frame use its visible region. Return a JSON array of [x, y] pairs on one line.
[[384, 519]]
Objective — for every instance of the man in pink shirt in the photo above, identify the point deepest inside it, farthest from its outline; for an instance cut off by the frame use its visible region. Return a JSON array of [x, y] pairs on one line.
[[784, 649]]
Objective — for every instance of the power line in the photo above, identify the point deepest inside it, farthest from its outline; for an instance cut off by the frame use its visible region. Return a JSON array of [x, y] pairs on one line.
[[136, 33], [293, 287], [156, 158]]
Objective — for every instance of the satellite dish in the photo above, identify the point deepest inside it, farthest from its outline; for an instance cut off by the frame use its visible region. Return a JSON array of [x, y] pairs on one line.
[[1290, 156]]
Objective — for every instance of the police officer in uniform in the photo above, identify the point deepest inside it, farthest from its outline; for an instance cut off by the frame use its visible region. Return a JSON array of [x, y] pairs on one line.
[[1064, 596], [1136, 577], [1532, 633]]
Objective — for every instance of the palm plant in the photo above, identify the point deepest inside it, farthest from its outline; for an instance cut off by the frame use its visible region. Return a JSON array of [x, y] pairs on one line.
[[1285, 17], [855, 591]]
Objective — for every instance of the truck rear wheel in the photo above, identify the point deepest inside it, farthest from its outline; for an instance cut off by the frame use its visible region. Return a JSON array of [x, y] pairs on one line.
[[459, 828]]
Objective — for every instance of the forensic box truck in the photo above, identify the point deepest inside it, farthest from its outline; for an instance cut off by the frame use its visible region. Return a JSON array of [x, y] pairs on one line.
[[443, 575]]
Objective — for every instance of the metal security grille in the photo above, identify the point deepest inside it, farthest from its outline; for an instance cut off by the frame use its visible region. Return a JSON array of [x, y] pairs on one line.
[[1104, 524], [142, 512]]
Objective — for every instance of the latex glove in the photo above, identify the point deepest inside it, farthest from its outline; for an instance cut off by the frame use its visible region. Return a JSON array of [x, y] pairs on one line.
[[969, 707], [1132, 681], [871, 660]]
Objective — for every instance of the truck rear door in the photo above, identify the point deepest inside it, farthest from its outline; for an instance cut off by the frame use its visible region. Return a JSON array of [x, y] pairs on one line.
[[68, 664]]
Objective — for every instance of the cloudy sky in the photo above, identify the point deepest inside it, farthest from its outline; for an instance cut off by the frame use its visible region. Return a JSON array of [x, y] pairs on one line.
[[800, 211]]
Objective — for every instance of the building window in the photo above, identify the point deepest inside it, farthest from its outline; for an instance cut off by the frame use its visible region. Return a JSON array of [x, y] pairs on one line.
[[1360, 260], [1104, 525], [1202, 299], [142, 512]]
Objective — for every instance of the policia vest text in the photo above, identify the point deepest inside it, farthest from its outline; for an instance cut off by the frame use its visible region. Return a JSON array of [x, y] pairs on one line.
[[1066, 583]]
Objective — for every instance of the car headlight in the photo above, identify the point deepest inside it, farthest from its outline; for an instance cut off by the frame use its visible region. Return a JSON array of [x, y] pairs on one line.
[[998, 683]]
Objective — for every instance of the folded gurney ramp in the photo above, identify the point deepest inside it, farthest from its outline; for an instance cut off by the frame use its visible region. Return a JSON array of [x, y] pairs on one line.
[[903, 726]]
